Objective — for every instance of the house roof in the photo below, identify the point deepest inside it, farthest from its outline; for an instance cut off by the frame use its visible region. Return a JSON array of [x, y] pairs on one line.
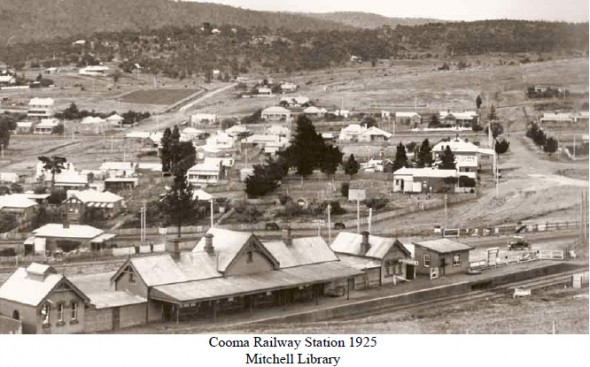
[[443, 245], [314, 109], [105, 166], [253, 283], [360, 263], [353, 129], [459, 115], [376, 131], [456, 145], [31, 285], [276, 110], [202, 195], [227, 244], [94, 196], [91, 120], [350, 243], [277, 130], [20, 201], [69, 177], [407, 114], [41, 102], [426, 172], [108, 299], [114, 118], [557, 116], [236, 129], [81, 231], [303, 251], [47, 123]]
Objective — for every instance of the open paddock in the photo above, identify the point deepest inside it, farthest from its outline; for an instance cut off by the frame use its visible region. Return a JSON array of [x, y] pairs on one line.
[[158, 96]]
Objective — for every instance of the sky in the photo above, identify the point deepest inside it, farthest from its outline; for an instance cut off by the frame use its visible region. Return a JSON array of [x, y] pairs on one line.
[[554, 10]]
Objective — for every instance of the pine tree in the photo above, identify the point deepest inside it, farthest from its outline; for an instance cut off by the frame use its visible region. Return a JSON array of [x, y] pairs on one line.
[[165, 151], [401, 157], [478, 102], [551, 145], [54, 165], [492, 115], [425, 154], [502, 146], [447, 159], [305, 153], [351, 167], [178, 204], [331, 159]]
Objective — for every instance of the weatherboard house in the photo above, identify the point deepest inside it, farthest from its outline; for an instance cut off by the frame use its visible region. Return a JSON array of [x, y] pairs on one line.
[[229, 270], [441, 257]]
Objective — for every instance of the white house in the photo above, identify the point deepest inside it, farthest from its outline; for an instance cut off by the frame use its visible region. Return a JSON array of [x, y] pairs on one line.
[[275, 113], [208, 172], [237, 131], [458, 118], [264, 92], [313, 111], [118, 169], [373, 134], [466, 155], [421, 180], [115, 120], [46, 126], [7, 79], [93, 124], [342, 113], [94, 70], [288, 87], [41, 107], [557, 117], [219, 142], [350, 132]]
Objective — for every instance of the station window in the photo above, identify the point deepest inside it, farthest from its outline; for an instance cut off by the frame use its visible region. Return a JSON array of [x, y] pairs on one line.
[[426, 260], [74, 315], [45, 313], [60, 312], [250, 257], [131, 275], [457, 260]]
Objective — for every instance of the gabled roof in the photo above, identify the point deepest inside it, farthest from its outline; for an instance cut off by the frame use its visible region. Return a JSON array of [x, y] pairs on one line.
[[376, 131], [91, 120], [443, 245], [456, 145], [407, 114], [47, 123], [350, 243], [108, 299], [426, 172], [202, 195], [80, 231], [303, 251], [31, 285], [16, 201], [353, 129], [276, 110], [41, 102], [229, 244], [114, 118], [93, 196], [105, 166], [70, 177]]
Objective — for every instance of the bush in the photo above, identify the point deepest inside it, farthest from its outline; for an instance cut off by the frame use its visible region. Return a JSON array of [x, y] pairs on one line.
[[57, 197], [465, 181], [344, 189], [7, 222], [284, 199], [376, 203]]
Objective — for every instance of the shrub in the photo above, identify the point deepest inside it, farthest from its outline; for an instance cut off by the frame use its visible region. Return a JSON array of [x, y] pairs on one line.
[[376, 203], [344, 189]]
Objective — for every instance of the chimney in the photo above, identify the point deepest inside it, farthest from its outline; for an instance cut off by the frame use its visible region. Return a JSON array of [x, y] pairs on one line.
[[287, 236], [173, 248], [209, 243], [365, 246]]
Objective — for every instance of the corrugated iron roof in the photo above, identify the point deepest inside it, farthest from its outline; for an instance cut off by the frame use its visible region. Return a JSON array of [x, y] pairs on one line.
[[303, 251], [226, 243], [21, 287], [443, 245], [16, 201], [350, 243], [158, 269], [253, 283], [114, 299], [360, 263], [73, 231]]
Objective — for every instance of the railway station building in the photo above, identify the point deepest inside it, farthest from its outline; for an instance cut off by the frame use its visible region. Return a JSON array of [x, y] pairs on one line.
[[229, 271]]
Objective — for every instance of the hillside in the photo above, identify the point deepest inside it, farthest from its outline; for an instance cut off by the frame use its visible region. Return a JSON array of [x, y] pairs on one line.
[[27, 20], [368, 20]]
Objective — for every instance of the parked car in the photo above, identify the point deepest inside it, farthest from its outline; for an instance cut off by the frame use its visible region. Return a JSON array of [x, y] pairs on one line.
[[272, 227], [518, 243], [339, 225]]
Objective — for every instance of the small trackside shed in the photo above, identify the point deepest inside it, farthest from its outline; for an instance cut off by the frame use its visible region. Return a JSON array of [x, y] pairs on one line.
[[441, 257]]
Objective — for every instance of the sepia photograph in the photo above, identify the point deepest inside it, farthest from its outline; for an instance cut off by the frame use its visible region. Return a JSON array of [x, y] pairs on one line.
[[257, 168]]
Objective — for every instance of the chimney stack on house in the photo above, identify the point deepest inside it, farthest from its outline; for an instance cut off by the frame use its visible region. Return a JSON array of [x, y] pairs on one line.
[[365, 246], [173, 248], [287, 236], [209, 243]]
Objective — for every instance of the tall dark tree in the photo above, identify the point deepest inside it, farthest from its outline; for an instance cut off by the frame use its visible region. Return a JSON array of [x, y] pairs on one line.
[[178, 204], [351, 166], [434, 121], [165, 151], [368, 121], [447, 159], [497, 128], [5, 128], [502, 146], [182, 157], [331, 159], [54, 165], [401, 157], [424, 154], [305, 152], [478, 102]]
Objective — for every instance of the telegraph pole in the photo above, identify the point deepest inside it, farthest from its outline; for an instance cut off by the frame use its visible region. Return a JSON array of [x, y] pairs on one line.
[[358, 216], [329, 209], [446, 217], [212, 220], [370, 219]]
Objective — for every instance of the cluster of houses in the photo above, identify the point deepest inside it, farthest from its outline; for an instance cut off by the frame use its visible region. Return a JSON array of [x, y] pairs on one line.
[[225, 271], [468, 158], [564, 117]]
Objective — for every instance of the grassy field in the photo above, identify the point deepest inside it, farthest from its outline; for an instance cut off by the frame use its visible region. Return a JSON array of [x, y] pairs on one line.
[[158, 96]]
